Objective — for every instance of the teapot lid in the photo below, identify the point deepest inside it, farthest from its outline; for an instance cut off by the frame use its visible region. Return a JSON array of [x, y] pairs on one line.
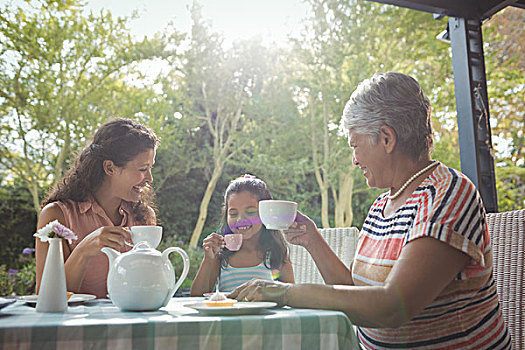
[[143, 247]]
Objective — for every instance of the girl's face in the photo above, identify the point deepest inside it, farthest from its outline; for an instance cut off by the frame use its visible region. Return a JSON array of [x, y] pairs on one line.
[[131, 180], [242, 214]]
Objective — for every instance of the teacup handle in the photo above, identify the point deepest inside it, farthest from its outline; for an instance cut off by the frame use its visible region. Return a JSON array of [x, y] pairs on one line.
[[184, 273], [126, 242]]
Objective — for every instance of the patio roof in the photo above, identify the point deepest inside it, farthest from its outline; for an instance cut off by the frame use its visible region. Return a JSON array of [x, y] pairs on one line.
[[471, 9]]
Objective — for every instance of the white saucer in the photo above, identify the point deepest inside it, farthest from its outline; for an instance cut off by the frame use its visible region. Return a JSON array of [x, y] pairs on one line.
[[75, 299], [239, 308]]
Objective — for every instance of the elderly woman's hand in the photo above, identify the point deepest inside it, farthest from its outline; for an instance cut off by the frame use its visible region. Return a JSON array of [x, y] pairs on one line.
[[303, 231], [261, 290]]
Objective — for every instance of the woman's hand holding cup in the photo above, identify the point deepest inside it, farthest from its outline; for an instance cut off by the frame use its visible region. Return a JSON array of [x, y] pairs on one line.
[[107, 236], [303, 231]]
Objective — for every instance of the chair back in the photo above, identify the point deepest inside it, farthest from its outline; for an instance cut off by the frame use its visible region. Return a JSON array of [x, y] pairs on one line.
[[343, 242], [507, 233]]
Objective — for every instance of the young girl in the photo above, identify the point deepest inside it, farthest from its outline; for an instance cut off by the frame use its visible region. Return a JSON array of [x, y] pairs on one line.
[[107, 189], [263, 254]]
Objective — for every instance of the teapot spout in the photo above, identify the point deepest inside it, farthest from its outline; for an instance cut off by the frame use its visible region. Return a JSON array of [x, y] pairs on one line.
[[111, 253]]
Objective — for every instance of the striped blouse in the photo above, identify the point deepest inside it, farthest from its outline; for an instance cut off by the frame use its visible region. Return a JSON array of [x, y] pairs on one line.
[[466, 314], [232, 277]]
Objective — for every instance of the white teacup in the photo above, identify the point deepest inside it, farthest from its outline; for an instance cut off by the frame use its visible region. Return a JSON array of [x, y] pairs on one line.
[[277, 215], [149, 234], [233, 241]]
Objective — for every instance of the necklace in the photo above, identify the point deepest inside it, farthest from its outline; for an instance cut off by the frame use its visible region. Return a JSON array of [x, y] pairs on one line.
[[409, 181]]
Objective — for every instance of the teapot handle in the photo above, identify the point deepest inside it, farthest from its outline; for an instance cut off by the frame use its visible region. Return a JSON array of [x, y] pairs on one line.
[[184, 274]]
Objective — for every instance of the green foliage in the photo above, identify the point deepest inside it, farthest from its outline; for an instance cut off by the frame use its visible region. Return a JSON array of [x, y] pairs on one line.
[[510, 182], [446, 150], [6, 281], [180, 197], [18, 282], [17, 223], [505, 64]]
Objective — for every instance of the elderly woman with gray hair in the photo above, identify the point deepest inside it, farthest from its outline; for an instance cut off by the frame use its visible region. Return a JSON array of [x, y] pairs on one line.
[[422, 274]]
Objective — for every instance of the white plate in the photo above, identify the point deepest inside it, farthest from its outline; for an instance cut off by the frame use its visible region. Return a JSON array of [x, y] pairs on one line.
[[4, 302], [239, 308], [75, 299]]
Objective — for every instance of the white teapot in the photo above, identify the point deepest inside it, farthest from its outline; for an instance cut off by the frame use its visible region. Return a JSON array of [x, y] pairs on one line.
[[143, 279]]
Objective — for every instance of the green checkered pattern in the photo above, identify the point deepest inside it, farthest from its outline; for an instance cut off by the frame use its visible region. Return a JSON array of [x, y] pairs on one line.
[[101, 325]]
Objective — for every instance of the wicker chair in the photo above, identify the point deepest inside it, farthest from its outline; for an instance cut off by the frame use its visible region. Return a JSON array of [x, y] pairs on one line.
[[343, 242], [507, 232]]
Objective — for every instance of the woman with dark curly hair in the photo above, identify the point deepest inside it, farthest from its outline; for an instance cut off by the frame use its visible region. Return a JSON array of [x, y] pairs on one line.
[[263, 254], [106, 190]]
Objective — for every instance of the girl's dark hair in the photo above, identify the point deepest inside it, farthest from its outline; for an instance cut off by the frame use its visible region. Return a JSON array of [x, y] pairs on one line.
[[271, 242], [119, 140]]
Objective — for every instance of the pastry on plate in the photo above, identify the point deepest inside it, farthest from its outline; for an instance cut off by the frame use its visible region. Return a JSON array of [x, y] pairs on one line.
[[217, 303]]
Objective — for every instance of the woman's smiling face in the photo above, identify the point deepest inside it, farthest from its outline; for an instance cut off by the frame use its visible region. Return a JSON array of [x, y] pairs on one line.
[[371, 158], [135, 176], [242, 214]]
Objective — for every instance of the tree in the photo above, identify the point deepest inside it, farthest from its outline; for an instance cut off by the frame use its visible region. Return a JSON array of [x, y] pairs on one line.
[[220, 85], [277, 152], [321, 93], [340, 47], [505, 44], [61, 72]]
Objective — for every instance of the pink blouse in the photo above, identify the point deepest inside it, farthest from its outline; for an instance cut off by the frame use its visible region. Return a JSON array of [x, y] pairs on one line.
[[84, 218]]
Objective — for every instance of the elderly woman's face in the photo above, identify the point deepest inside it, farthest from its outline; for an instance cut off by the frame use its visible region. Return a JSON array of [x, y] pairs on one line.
[[370, 157]]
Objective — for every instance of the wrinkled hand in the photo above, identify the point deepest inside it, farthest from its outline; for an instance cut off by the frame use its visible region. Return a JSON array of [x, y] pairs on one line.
[[261, 290], [106, 236], [212, 245], [303, 231]]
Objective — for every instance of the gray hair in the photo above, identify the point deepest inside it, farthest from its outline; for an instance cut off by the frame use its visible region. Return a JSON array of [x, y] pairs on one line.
[[395, 100]]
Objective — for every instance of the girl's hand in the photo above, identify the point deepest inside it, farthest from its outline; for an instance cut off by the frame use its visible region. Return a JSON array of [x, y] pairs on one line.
[[106, 236], [303, 231], [212, 245]]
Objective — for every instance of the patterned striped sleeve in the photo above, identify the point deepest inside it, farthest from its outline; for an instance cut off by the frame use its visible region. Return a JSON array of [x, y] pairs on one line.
[[453, 213]]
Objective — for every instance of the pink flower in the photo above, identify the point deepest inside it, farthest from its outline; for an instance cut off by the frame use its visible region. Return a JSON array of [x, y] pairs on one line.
[[55, 228]]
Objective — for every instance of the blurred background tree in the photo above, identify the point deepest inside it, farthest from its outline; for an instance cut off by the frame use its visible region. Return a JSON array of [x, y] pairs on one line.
[[62, 74]]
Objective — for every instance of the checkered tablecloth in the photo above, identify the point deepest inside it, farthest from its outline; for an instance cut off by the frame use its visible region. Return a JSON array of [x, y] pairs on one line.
[[101, 325]]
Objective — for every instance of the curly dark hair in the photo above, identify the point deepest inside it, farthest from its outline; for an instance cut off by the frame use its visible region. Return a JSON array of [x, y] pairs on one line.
[[271, 242], [119, 140]]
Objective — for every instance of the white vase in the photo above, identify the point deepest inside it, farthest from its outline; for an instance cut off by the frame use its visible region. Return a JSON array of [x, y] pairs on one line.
[[52, 296]]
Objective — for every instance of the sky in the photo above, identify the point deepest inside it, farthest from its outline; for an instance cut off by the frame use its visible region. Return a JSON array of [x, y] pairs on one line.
[[235, 19]]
